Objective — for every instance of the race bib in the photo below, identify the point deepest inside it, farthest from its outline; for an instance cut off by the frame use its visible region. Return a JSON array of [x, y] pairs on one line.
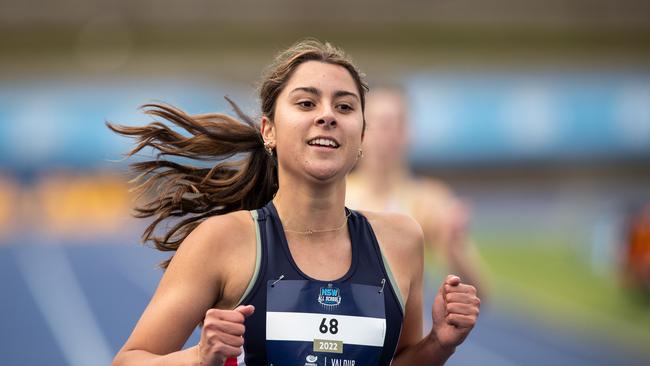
[[324, 324]]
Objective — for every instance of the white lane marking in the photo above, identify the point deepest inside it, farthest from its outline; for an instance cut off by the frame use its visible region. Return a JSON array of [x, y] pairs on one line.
[[60, 299]]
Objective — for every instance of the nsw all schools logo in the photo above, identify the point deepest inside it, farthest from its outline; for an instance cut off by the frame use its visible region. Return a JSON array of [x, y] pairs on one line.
[[329, 296]]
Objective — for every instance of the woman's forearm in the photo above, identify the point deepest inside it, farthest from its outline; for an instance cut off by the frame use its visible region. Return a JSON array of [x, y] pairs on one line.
[[427, 352]]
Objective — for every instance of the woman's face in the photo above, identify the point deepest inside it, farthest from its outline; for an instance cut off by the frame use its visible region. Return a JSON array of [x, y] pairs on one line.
[[318, 122]]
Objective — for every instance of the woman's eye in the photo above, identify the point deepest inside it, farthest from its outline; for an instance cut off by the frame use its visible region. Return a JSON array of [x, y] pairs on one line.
[[345, 107], [306, 104]]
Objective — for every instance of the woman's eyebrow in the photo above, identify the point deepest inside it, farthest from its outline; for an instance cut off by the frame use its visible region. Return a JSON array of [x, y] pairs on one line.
[[317, 92], [307, 89], [345, 93]]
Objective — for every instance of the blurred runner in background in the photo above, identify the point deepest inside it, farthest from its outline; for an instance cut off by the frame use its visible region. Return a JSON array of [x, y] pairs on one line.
[[382, 181]]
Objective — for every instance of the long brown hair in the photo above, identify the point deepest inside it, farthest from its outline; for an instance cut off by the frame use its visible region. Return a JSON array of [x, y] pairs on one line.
[[245, 175]]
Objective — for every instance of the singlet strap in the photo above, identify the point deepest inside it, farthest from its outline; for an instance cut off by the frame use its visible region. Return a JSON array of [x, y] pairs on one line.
[[258, 257], [393, 281]]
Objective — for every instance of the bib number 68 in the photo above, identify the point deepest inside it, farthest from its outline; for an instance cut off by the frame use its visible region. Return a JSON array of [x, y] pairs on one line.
[[333, 326]]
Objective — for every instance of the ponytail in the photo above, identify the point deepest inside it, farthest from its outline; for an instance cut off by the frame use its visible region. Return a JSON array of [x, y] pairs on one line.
[[244, 177]]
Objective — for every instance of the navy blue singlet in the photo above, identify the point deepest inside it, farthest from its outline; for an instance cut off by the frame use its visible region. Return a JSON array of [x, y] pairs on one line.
[[300, 321]]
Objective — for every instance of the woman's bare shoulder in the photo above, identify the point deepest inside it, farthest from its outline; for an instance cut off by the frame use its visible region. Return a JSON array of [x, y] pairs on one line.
[[220, 231], [221, 246]]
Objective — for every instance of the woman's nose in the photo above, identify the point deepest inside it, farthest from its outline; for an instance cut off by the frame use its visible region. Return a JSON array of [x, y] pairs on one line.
[[328, 122], [326, 119]]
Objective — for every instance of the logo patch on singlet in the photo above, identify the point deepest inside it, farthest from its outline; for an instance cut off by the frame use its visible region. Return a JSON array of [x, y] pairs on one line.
[[311, 360], [329, 296]]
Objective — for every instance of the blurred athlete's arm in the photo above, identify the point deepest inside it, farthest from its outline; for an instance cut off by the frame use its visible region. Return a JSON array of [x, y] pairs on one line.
[[444, 219]]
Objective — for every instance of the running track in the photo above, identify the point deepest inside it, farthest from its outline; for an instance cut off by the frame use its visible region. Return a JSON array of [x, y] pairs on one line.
[[76, 304]]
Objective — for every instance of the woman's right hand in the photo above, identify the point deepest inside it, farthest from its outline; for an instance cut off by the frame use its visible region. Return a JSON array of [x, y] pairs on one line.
[[222, 335]]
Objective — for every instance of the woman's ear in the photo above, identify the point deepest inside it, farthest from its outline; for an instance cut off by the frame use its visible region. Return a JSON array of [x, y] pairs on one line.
[[268, 130]]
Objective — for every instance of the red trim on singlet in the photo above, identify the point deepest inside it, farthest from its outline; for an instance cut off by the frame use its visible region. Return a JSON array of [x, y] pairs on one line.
[[231, 362]]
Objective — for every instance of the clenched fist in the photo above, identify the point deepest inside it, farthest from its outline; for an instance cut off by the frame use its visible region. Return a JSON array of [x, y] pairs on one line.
[[455, 311], [222, 335]]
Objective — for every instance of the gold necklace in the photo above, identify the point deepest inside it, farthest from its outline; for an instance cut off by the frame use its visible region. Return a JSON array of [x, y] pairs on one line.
[[317, 231]]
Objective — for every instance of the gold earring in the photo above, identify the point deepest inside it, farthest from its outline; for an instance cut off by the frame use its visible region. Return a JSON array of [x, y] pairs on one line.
[[268, 146], [360, 154]]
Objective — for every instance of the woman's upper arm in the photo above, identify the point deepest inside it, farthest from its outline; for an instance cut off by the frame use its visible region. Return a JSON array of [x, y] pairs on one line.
[[193, 283]]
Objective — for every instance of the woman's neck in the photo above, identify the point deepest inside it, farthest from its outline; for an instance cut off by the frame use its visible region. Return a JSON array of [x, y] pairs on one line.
[[305, 207]]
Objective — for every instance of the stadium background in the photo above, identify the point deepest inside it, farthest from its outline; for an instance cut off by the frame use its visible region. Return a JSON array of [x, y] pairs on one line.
[[536, 113]]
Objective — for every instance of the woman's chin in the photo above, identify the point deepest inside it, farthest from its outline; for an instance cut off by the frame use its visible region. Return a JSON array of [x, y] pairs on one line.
[[325, 172]]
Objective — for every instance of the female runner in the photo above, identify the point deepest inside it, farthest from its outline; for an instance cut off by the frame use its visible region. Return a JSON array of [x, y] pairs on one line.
[[272, 264]]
